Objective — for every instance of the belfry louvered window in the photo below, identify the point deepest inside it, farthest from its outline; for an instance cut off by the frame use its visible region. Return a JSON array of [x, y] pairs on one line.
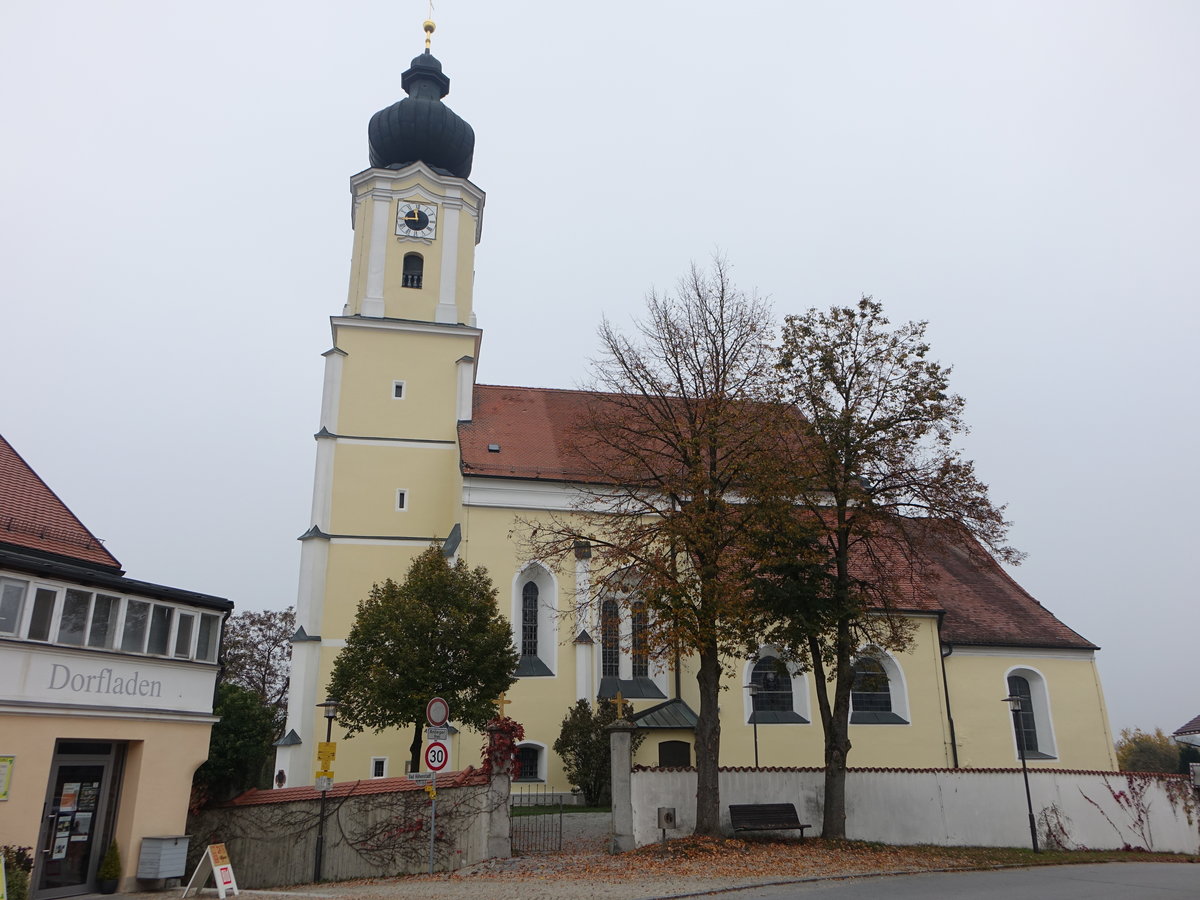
[[529, 619]]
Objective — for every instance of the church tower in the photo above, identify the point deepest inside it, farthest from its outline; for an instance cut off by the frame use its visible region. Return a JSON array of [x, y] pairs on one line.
[[398, 380]]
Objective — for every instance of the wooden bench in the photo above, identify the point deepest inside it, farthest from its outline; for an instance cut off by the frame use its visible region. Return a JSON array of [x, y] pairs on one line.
[[765, 817]]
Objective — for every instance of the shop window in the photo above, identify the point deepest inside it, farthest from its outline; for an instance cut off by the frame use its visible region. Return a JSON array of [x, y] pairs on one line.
[[12, 602]]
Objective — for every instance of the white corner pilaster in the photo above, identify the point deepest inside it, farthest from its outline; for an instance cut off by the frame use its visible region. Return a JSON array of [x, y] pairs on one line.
[[447, 306], [583, 671], [466, 388], [372, 304]]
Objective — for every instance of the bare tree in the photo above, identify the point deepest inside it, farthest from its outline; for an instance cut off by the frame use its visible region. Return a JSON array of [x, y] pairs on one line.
[[871, 479], [257, 651], [677, 425]]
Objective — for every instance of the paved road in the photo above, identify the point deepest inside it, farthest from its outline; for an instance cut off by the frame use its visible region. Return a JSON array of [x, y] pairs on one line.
[[1112, 881]]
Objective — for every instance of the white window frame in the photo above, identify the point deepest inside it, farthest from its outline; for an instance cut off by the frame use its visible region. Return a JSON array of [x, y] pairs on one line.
[[403, 390], [547, 618], [378, 759], [800, 699], [542, 763], [401, 499], [897, 685]]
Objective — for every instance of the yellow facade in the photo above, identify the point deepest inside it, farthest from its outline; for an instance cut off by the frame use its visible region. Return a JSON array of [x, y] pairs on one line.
[[943, 701]]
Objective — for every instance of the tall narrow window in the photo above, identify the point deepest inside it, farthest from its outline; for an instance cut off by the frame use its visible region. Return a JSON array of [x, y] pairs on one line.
[[610, 639], [414, 269], [12, 599], [206, 640], [640, 621], [529, 758], [1024, 721], [870, 691], [104, 621], [774, 692], [137, 617], [43, 612], [529, 619], [74, 617]]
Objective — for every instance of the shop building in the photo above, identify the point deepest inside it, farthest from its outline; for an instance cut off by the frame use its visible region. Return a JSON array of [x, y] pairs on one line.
[[106, 692]]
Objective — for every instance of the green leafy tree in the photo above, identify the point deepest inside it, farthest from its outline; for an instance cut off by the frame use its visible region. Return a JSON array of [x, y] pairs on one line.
[[240, 749], [440, 633], [678, 424], [584, 746], [1188, 754], [870, 479], [1139, 751]]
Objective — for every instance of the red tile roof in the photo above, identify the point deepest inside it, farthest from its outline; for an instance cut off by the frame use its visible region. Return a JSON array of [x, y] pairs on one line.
[[535, 431], [32, 516], [255, 797], [1192, 727]]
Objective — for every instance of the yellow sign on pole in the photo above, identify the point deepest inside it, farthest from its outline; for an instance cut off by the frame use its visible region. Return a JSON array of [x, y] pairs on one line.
[[327, 752]]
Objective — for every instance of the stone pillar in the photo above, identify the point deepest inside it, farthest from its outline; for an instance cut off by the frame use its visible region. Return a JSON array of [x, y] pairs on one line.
[[620, 734], [499, 839]]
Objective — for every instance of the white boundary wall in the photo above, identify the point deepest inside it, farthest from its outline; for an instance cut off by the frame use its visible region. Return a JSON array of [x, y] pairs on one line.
[[952, 807]]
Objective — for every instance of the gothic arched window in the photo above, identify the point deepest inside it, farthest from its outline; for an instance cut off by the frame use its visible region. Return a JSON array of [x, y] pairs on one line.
[[610, 639], [529, 619]]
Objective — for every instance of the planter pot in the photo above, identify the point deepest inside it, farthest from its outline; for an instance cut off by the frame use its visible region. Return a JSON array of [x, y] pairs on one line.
[[107, 885]]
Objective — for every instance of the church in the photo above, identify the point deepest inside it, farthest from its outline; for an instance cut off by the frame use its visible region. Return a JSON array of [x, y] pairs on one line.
[[412, 450]]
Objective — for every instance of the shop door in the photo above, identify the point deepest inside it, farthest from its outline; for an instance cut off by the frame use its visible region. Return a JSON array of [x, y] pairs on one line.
[[75, 819]]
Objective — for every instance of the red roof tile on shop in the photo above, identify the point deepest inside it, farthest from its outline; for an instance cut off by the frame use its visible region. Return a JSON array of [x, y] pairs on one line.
[[33, 517], [535, 431]]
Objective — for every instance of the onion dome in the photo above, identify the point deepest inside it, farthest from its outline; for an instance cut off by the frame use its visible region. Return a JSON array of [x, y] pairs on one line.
[[420, 127]]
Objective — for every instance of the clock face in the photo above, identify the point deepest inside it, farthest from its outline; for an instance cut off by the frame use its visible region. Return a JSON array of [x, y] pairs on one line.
[[416, 220]]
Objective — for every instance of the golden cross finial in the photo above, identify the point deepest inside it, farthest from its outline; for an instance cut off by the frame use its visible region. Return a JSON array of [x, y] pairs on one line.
[[621, 703], [500, 703], [429, 26]]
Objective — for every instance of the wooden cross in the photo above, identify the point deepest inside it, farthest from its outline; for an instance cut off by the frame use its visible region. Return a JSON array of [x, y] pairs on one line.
[[500, 703], [621, 703]]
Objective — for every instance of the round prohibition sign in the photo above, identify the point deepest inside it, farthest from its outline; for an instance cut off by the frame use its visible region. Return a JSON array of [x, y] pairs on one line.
[[437, 711], [436, 756]]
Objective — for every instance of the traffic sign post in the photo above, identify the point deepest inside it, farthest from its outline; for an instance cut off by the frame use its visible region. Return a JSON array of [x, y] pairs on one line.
[[436, 756], [437, 711]]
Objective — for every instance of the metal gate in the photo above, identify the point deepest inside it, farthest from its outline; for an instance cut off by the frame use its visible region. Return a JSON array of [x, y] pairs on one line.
[[535, 821]]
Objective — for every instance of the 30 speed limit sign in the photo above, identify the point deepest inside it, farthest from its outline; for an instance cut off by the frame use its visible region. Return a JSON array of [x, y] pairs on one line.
[[436, 756]]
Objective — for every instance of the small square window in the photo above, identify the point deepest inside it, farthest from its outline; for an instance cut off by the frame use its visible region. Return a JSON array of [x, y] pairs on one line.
[[401, 500], [397, 390], [379, 767]]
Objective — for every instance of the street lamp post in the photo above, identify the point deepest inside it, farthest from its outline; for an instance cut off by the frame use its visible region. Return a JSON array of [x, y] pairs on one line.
[[753, 689], [1014, 703], [329, 708]]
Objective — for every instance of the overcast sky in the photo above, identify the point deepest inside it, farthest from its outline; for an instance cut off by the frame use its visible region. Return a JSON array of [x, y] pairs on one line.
[[175, 232]]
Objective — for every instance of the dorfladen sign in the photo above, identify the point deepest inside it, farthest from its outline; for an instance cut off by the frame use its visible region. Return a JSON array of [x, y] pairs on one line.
[[52, 676]]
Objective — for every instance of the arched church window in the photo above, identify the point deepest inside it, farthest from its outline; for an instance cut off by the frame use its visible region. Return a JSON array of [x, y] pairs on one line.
[[610, 639], [414, 270], [640, 622], [870, 691], [774, 692], [1024, 720], [529, 619]]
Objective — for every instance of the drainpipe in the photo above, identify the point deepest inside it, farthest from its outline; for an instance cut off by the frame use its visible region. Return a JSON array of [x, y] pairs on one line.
[[947, 649]]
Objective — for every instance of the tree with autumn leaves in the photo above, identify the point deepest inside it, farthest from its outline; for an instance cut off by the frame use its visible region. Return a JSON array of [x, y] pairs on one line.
[[747, 492]]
